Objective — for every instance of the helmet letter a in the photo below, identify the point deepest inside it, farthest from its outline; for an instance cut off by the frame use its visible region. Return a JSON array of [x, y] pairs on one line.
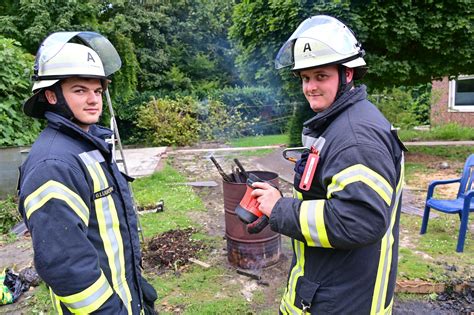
[[89, 57], [306, 47]]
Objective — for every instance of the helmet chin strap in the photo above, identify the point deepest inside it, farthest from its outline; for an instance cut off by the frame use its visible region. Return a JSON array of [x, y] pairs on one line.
[[343, 85], [62, 107]]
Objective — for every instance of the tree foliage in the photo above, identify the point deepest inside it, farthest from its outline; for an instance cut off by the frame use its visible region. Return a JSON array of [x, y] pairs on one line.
[[16, 128], [407, 42]]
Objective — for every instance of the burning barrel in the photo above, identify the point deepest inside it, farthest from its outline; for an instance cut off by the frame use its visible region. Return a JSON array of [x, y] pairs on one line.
[[245, 250]]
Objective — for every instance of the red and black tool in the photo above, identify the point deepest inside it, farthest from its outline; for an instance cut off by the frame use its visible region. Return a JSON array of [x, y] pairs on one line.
[[247, 209]]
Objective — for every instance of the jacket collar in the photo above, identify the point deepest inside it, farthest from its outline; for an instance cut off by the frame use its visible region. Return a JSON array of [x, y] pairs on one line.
[[96, 135], [342, 103]]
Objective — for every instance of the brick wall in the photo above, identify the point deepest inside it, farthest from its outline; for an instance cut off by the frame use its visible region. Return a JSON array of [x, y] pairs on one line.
[[440, 114]]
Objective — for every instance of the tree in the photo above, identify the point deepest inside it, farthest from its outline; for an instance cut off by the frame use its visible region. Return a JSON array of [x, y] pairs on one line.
[[407, 43], [29, 22]]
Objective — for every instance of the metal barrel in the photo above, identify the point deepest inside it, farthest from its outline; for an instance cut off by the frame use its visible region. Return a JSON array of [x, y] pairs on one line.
[[245, 250]]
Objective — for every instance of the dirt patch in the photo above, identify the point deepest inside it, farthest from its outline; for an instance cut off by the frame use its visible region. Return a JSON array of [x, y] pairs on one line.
[[171, 249]]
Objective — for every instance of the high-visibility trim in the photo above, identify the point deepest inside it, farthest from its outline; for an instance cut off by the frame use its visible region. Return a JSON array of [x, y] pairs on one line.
[[388, 309], [361, 173], [109, 227], [312, 223], [296, 194], [55, 190], [385, 260], [90, 299], [56, 303], [287, 304]]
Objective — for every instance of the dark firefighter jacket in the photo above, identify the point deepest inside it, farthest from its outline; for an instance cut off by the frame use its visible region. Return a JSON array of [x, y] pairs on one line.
[[344, 229], [78, 209]]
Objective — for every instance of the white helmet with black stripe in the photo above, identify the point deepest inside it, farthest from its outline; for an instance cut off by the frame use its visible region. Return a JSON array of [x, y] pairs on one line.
[[91, 56], [319, 41]]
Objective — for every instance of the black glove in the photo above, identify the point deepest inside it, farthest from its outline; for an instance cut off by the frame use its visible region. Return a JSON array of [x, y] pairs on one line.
[[258, 225]]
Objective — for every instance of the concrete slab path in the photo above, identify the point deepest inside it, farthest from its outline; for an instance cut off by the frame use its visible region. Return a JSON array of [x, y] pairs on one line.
[[143, 161]]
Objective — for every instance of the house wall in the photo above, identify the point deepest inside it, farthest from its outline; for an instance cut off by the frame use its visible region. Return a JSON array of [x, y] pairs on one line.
[[440, 114]]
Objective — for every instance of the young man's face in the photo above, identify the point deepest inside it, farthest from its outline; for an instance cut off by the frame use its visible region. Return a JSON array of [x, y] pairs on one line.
[[320, 85], [84, 97]]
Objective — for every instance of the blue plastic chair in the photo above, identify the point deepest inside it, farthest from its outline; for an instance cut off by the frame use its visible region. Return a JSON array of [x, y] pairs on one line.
[[462, 205]]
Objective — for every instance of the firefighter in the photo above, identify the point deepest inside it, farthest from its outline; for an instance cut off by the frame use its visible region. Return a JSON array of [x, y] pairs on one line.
[[73, 198], [344, 218]]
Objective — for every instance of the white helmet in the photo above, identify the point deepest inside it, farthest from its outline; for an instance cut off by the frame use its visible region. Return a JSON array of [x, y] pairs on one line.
[[58, 59], [318, 41], [71, 60]]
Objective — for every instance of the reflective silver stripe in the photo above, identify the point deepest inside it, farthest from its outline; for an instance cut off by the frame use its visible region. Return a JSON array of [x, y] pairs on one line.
[[311, 220], [362, 173], [91, 157], [90, 299], [55, 190], [92, 160], [288, 299], [317, 143], [382, 290]]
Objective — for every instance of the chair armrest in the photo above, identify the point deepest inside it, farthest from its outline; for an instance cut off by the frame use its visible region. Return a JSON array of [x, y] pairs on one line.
[[468, 196], [434, 183]]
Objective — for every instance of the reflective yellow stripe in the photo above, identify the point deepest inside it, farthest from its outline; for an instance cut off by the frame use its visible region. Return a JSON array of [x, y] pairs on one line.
[[55, 302], [297, 194], [386, 252], [388, 309], [123, 285], [361, 173], [312, 223], [90, 299], [55, 190], [288, 300], [109, 227]]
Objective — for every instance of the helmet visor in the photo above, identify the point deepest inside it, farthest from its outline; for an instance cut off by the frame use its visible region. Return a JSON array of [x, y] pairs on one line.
[[101, 45], [324, 29]]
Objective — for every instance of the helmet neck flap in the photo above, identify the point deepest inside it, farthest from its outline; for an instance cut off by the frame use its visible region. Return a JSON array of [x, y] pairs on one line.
[[61, 107]]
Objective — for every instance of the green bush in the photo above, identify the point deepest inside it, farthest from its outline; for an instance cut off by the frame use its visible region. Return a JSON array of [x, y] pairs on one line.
[[9, 215], [170, 122], [253, 102], [16, 128], [218, 122], [404, 107], [451, 131], [185, 120], [395, 104]]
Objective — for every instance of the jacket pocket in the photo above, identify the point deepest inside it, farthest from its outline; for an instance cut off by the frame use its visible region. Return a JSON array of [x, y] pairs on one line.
[[306, 293]]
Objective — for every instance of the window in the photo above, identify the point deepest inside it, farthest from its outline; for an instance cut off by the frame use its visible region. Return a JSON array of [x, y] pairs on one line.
[[461, 94]]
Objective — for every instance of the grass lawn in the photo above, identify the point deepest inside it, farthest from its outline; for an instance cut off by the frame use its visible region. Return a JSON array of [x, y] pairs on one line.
[[260, 141], [195, 290]]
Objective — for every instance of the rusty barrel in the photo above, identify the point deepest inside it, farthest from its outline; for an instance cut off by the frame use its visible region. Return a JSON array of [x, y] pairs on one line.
[[245, 250]]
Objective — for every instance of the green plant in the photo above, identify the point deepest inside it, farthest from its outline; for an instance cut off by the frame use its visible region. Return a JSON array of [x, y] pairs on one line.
[[253, 102], [16, 128], [170, 122], [396, 104], [450, 131], [220, 122], [9, 215]]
